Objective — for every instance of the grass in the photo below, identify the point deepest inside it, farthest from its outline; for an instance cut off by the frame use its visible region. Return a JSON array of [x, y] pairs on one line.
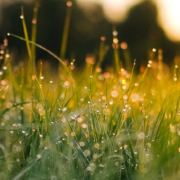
[[90, 125]]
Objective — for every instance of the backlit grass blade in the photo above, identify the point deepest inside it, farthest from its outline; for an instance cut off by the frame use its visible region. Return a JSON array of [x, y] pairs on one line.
[[66, 30], [34, 32], [116, 50], [159, 118], [102, 52], [51, 53], [127, 56], [22, 96], [26, 34]]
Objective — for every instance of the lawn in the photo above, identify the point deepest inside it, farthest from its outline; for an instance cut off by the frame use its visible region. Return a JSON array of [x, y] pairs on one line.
[[90, 123]]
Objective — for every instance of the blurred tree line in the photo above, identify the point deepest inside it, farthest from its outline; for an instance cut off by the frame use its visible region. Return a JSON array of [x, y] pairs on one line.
[[140, 30]]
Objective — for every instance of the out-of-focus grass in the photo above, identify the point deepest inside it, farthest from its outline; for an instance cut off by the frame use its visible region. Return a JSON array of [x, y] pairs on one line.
[[96, 125]]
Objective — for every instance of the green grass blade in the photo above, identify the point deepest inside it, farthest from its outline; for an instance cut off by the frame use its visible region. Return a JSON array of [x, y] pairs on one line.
[[51, 53], [66, 30]]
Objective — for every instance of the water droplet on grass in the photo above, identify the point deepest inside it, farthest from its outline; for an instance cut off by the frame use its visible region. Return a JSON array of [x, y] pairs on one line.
[[91, 167], [69, 3], [64, 109], [115, 33], [141, 135], [5, 67], [63, 119], [114, 93], [34, 21], [82, 144], [84, 125], [123, 45], [87, 152], [7, 55], [96, 145], [175, 79], [73, 134], [79, 119], [41, 77], [39, 156]]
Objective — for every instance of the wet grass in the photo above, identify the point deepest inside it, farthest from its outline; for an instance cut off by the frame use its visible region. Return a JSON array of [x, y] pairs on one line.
[[90, 125]]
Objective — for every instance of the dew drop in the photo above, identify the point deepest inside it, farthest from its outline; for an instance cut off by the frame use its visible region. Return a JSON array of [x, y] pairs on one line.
[[91, 167], [114, 94], [176, 66], [82, 144], [7, 55], [96, 145], [64, 109], [39, 156], [84, 125], [34, 21], [79, 119], [103, 38], [73, 134], [141, 135], [179, 149], [63, 119], [41, 77], [124, 45], [5, 67], [115, 33], [87, 152], [69, 3], [175, 78]]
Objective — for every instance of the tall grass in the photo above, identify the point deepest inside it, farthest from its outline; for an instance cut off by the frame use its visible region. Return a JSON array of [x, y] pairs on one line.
[[108, 125]]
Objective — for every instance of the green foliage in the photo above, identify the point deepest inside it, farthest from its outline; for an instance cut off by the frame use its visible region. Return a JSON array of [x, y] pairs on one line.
[[96, 125]]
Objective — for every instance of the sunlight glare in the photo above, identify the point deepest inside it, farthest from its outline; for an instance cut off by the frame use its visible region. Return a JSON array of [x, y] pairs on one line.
[[169, 18], [117, 10], [114, 10]]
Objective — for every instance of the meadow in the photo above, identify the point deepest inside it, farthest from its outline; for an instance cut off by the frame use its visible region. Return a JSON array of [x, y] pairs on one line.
[[88, 124]]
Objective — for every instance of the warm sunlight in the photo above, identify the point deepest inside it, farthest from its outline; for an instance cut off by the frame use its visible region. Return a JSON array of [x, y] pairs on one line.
[[117, 10], [169, 17], [114, 10]]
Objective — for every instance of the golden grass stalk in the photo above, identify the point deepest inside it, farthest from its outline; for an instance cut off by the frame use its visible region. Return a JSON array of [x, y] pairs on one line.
[[33, 35], [66, 30]]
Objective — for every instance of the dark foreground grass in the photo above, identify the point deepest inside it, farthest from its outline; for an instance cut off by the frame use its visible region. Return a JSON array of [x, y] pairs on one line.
[[90, 125]]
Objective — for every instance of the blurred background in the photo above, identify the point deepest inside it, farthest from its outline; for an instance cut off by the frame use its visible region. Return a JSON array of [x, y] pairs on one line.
[[141, 24]]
